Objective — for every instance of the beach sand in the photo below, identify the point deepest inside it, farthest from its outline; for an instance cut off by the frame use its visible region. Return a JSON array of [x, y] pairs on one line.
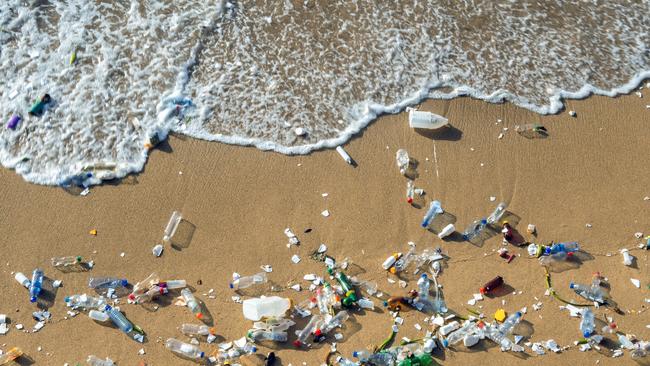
[[592, 169]]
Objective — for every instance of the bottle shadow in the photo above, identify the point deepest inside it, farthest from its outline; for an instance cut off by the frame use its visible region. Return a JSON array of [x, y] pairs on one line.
[[183, 235]]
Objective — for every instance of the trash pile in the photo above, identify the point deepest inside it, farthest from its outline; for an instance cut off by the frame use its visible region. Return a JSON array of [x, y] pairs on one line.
[[333, 299]]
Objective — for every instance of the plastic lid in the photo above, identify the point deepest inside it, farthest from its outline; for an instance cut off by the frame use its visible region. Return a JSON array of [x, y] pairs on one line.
[[518, 313], [78, 258], [572, 285], [482, 290], [445, 343], [424, 275], [32, 299], [355, 354], [67, 299], [202, 355], [254, 349], [483, 221], [231, 285], [125, 282], [297, 343], [586, 334]]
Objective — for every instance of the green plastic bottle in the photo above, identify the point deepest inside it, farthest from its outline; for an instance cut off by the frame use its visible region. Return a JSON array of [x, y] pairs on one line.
[[421, 360]]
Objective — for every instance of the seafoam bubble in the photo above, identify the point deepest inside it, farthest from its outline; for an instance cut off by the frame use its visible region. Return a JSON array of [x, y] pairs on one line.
[[253, 72]]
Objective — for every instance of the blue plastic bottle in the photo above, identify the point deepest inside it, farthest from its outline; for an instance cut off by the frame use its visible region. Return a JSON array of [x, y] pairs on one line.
[[435, 208], [37, 284], [474, 229], [118, 319]]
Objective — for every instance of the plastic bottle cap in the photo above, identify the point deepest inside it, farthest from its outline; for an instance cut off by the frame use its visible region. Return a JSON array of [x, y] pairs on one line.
[[67, 298], [202, 355], [254, 349], [297, 343], [482, 290], [125, 283], [445, 343], [586, 334], [424, 275], [355, 354], [318, 333], [231, 285], [572, 285], [78, 258], [199, 315], [32, 299]]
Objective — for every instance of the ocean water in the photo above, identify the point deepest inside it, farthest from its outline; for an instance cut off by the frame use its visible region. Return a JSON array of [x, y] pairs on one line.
[[251, 72]]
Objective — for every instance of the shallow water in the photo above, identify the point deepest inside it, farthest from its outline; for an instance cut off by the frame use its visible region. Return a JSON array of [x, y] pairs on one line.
[[251, 72]]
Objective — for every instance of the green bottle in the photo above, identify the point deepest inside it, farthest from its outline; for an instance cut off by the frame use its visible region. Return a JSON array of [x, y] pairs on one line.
[[38, 107], [421, 360]]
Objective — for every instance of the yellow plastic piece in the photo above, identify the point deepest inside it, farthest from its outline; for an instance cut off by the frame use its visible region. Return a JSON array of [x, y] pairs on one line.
[[500, 315], [93, 232]]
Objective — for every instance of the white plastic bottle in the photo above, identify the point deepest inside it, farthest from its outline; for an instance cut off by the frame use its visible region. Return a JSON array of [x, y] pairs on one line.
[[93, 360], [426, 120], [196, 329], [344, 155], [22, 279], [248, 281], [258, 308], [184, 349], [446, 231], [172, 225]]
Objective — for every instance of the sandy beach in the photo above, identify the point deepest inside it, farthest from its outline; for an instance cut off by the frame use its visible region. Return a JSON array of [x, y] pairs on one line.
[[592, 171]]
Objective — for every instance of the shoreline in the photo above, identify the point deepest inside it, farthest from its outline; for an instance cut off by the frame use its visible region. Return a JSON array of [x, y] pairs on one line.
[[591, 170]]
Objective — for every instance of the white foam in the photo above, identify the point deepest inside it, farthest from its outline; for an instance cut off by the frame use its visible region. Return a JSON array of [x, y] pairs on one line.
[[252, 74]]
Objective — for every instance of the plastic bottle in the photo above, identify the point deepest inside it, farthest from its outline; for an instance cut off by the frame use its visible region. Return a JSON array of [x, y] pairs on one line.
[[435, 208], [474, 230], [39, 106], [366, 303], [99, 316], [593, 293], [446, 231], [13, 121], [152, 293], [144, 285], [497, 214], [274, 324], [627, 257], [321, 302], [403, 262], [93, 360], [311, 326], [587, 323], [448, 328], [85, 301], [379, 359], [423, 288], [192, 303], [501, 339], [36, 286], [196, 329], [272, 306], [429, 345], [265, 335], [58, 262], [410, 191], [106, 282], [171, 227], [10, 355], [569, 247], [458, 335], [120, 321], [23, 280], [390, 261], [342, 361], [508, 325], [248, 281], [184, 349], [344, 154], [336, 321], [403, 161], [173, 284], [490, 286], [426, 120]]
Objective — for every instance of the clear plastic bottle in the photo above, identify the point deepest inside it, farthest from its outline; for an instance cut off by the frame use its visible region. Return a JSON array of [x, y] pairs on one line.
[[342, 361], [403, 161], [106, 282], [423, 288], [184, 349], [274, 324], [22, 279], [474, 230], [59, 262], [173, 284], [568, 247], [587, 323], [497, 214], [144, 285], [435, 208], [196, 329], [366, 303], [336, 321], [99, 316], [311, 326], [593, 292], [171, 227], [93, 360], [410, 191], [10, 355], [379, 359], [321, 301], [192, 303], [36, 285], [248, 281], [456, 336], [85, 301], [265, 335], [120, 321], [508, 325]]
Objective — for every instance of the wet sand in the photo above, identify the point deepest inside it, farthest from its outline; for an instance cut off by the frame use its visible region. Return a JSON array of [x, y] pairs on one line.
[[592, 169]]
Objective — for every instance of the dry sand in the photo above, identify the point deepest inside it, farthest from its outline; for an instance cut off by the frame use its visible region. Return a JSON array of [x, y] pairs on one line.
[[592, 169]]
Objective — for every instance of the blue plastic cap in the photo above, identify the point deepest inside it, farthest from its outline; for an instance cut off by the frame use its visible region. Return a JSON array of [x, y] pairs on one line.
[[32, 299], [465, 237], [202, 354], [547, 250], [518, 314], [254, 349], [125, 282], [445, 343], [67, 299], [586, 334], [483, 221], [231, 285], [424, 225], [572, 285], [424, 275], [355, 354]]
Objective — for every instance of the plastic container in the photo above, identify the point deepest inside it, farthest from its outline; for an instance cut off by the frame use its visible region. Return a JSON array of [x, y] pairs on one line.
[[390, 261], [265, 307], [366, 303], [144, 285], [587, 323], [508, 325], [344, 155], [13, 122], [171, 227], [403, 161], [474, 230], [36, 285], [435, 209], [152, 293], [248, 281], [99, 316], [627, 257], [173, 284], [497, 214], [569, 247], [448, 328], [184, 349], [335, 322], [593, 292], [39, 106], [60, 262], [192, 303], [458, 335], [22, 279], [106, 282], [426, 120], [196, 329], [446, 231], [93, 360], [491, 285], [410, 191], [120, 321], [423, 288], [265, 335], [85, 301], [302, 335]]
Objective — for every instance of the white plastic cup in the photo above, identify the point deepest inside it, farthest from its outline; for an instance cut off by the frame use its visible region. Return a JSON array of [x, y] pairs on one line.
[[22, 279], [426, 120]]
